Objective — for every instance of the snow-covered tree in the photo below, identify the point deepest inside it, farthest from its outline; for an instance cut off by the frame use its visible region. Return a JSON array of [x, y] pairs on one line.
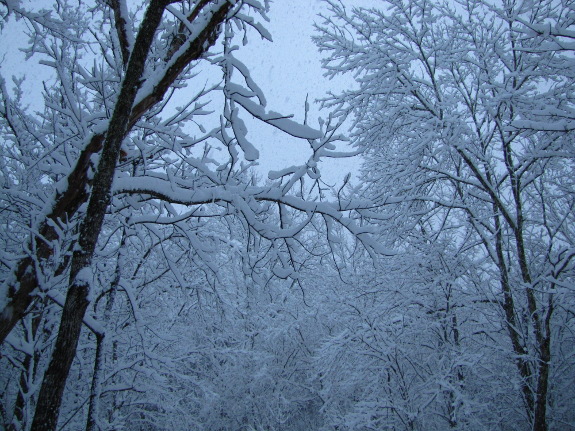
[[465, 112], [143, 124]]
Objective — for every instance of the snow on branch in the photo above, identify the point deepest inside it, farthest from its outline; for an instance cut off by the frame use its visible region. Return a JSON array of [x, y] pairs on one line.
[[239, 197], [285, 124]]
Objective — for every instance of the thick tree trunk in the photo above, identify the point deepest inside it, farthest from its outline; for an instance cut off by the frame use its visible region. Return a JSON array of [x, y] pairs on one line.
[[512, 321], [50, 396], [20, 291], [540, 420]]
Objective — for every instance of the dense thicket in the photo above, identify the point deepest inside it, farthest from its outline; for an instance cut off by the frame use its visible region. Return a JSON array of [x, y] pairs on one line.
[[151, 280]]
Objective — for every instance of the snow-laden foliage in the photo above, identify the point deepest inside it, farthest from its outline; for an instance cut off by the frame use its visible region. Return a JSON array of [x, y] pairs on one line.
[[134, 176], [151, 279], [465, 112]]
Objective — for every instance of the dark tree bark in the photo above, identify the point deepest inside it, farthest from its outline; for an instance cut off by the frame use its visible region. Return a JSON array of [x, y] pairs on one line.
[[121, 30], [20, 291], [50, 396]]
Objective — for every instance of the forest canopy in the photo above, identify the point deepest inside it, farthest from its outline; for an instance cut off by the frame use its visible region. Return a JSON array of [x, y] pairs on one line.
[[152, 279]]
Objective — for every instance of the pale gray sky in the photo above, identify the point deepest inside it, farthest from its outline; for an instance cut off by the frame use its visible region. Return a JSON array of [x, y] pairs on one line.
[[289, 69]]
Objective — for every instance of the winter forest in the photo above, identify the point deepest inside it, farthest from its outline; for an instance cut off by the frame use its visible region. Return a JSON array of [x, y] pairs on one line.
[[156, 276]]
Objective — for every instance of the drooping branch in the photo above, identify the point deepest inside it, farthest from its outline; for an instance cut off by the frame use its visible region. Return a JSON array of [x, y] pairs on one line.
[[239, 197]]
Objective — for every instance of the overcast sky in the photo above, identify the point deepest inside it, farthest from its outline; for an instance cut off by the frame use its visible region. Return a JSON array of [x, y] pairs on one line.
[[289, 69]]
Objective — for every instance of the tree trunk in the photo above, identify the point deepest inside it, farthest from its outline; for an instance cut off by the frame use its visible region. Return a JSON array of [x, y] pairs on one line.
[[124, 117], [96, 387], [50, 396], [20, 291], [544, 342]]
